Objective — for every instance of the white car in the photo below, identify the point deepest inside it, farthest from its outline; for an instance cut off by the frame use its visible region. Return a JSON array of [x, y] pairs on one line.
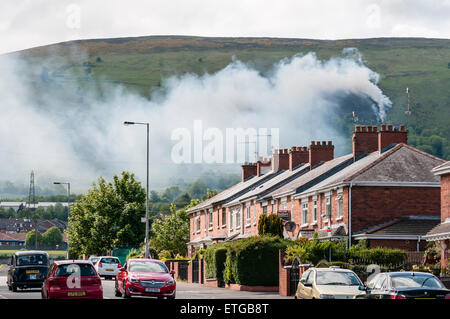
[[108, 266]]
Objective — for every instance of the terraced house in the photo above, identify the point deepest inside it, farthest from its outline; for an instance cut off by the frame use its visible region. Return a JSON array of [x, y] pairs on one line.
[[384, 192]]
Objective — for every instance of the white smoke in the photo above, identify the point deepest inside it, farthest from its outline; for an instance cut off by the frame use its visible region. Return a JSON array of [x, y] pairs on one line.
[[61, 134]]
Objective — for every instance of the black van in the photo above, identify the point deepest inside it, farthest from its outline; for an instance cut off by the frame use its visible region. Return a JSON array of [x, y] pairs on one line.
[[28, 269]]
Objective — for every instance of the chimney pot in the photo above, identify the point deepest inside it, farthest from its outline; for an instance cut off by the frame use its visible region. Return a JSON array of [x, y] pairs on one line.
[[357, 128], [374, 128], [402, 128], [389, 127], [383, 127]]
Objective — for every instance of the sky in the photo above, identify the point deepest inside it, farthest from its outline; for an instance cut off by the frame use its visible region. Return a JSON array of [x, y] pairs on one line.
[[31, 23]]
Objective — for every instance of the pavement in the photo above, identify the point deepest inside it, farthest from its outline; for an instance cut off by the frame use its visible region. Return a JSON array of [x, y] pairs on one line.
[[184, 291]]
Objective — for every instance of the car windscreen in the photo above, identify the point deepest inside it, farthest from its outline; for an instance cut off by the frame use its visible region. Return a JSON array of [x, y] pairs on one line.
[[32, 260], [140, 266], [68, 269], [339, 278], [416, 281]]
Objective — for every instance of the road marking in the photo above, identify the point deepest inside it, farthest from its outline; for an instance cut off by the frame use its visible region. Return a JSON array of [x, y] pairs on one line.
[[3, 297]]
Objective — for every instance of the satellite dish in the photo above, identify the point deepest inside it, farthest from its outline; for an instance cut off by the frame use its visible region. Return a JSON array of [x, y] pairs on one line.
[[290, 226]]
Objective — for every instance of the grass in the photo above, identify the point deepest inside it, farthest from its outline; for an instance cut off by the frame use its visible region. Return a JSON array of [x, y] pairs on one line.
[[142, 64]]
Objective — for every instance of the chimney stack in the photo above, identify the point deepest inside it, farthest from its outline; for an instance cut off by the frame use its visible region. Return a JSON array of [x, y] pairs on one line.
[[389, 135], [320, 152], [263, 165], [365, 140], [297, 156], [280, 160], [248, 170]]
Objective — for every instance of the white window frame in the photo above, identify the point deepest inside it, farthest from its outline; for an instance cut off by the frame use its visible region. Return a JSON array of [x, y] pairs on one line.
[[238, 218], [198, 224], [328, 205], [248, 216], [314, 215], [224, 217], [304, 213], [340, 204], [283, 203], [210, 219]]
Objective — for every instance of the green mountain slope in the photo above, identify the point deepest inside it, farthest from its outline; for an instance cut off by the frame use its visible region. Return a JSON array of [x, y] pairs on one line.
[[140, 64]]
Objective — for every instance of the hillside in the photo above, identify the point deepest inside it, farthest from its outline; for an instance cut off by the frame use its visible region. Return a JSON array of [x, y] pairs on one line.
[[142, 63]]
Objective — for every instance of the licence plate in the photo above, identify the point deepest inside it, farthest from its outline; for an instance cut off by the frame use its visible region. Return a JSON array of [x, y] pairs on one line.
[[32, 271], [76, 293], [152, 290], [109, 269]]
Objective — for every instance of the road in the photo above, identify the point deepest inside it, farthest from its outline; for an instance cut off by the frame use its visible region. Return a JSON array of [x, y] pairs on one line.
[[184, 291]]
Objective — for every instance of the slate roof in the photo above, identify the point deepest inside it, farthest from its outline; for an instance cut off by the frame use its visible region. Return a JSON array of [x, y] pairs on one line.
[[271, 183], [335, 232], [405, 226], [231, 191], [309, 176], [399, 164]]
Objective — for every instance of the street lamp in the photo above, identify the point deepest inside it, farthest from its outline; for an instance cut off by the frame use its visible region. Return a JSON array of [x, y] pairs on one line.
[[68, 207], [126, 123]]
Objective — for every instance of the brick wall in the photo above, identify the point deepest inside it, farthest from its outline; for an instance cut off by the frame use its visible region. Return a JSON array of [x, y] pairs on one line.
[[283, 277], [445, 197], [376, 205]]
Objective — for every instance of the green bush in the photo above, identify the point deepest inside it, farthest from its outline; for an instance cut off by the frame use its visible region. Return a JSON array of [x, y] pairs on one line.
[[314, 251], [254, 261], [270, 225], [215, 257]]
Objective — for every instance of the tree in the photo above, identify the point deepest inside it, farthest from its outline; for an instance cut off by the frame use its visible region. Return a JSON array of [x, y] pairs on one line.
[[30, 238], [209, 194], [52, 237], [171, 232], [109, 215], [270, 225]]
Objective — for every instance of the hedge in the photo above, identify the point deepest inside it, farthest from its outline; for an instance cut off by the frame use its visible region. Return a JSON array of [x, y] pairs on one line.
[[254, 261], [314, 251], [215, 257]]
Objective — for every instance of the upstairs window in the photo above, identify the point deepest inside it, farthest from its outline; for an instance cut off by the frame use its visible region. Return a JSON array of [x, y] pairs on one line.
[[314, 210], [248, 214], [284, 203], [339, 205], [210, 216], [305, 213], [328, 205], [224, 216]]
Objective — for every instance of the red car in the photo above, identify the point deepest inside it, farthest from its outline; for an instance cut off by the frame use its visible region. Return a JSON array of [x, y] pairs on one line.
[[72, 279], [145, 277]]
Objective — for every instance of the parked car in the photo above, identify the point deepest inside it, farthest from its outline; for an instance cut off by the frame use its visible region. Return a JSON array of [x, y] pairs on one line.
[[406, 285], [27, 270], [145, 277], [329, 283], [72, 279], [107, 266], [93, 259]]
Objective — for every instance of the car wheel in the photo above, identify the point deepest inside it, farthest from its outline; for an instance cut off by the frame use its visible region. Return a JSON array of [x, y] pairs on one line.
[[14, 288], [171, 297], [117, 293], [125, 294]]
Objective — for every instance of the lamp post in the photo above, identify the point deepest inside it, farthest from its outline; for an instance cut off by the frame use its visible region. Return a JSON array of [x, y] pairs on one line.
[[146, 195], [68, 207]]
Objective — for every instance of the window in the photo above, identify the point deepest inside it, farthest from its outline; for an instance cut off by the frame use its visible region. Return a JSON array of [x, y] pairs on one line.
[[231, 219], [248, 213], [198, 223], [224, 216], [264, 207], [210, 216], [328, 205], [339, 207], [314, 210], [284, 203], [145, 266], [68, 269], [238, 218], [305, 213]]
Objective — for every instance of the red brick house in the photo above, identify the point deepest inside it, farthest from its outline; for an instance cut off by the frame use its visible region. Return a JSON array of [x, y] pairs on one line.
[[388, 181], [383, 182], [441, 233]]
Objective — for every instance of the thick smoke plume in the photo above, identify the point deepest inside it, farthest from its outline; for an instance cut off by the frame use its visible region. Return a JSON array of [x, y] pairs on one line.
[[65, 134]]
